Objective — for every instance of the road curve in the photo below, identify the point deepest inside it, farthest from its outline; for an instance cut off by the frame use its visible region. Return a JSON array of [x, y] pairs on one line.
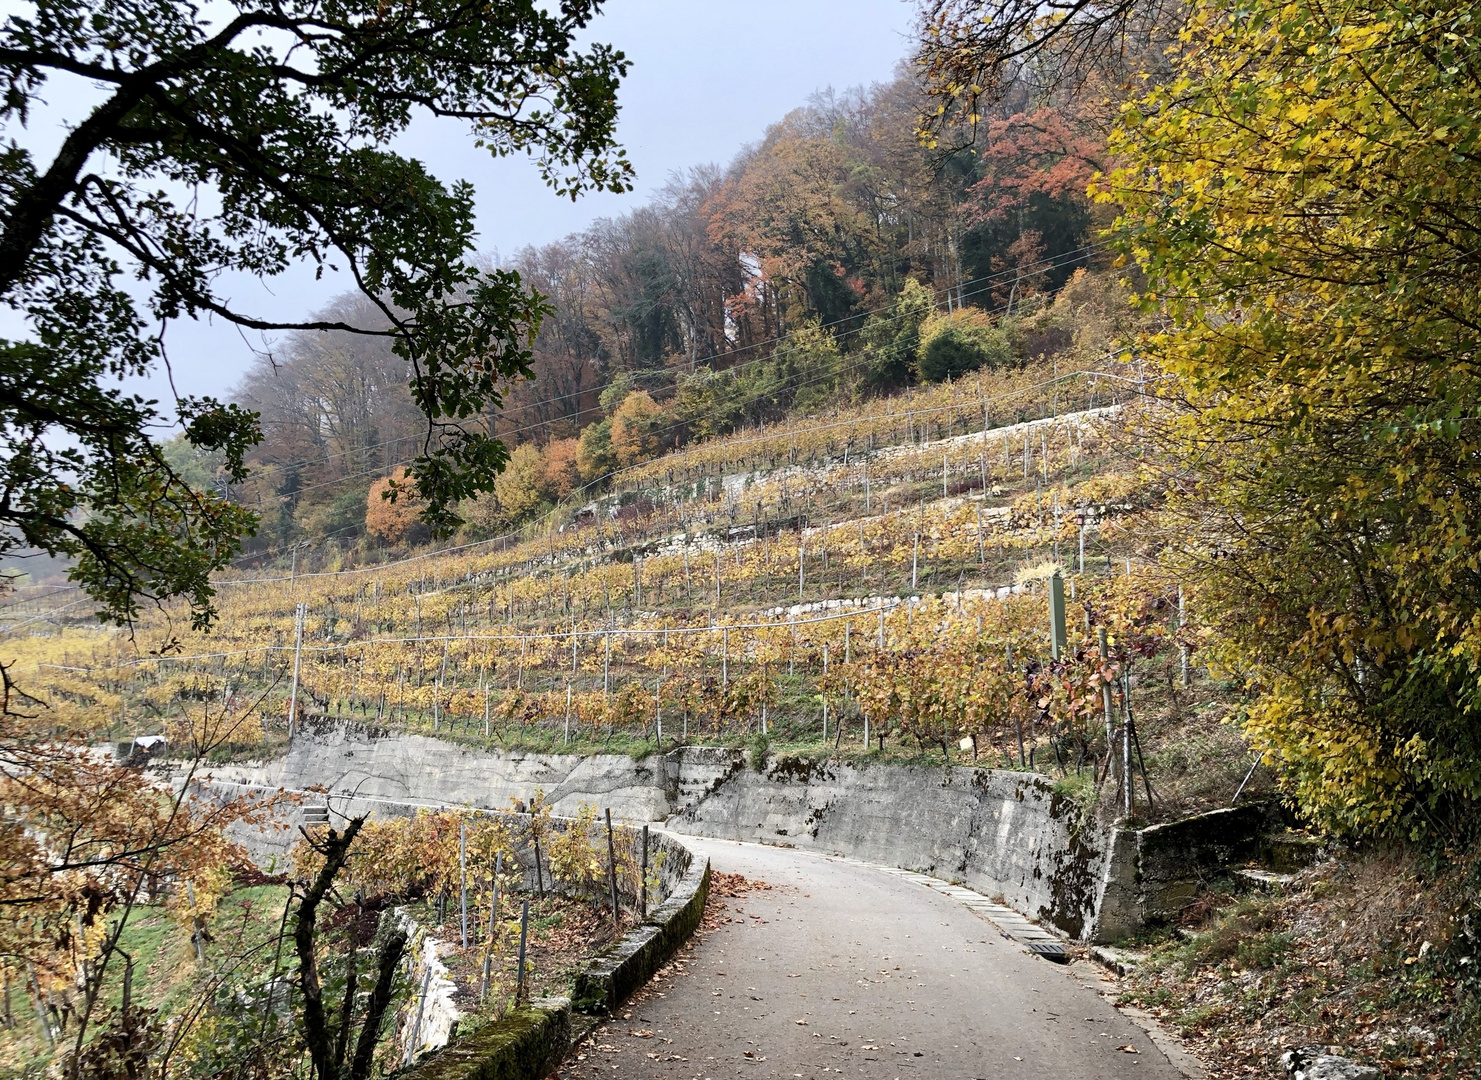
[[843, 970]]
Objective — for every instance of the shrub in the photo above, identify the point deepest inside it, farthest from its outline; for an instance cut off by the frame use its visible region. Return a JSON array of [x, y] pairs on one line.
[[562, 473], [637, 429], [965, 340], [594, 456]]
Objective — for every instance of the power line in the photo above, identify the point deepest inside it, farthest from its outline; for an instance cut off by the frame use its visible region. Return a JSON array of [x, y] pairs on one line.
[[1042, 265], [515, 534], [671, 428]]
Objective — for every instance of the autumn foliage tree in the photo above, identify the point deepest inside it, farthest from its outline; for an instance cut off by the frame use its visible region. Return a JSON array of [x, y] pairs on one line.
[[638, 429], [87, 842], [1300, 199], [244, 145], [395, 520]]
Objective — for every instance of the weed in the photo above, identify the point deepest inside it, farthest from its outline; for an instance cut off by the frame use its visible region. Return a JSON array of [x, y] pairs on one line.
[[1234, 928], [1195, 1019], [1263, 950], [759, 748]]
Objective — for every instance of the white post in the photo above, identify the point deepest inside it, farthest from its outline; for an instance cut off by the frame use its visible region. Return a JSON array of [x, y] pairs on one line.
[[463, 876], [1105, 689], [914, 560], [297, 649], [725, 656], [1182, 647], [1126, 744], [1056, 526]]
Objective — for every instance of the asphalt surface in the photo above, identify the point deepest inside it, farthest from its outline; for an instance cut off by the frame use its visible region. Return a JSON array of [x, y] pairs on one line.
[[842, 970]]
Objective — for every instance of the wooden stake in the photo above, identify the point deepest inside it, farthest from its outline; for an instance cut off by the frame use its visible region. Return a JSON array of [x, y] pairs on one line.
[[612, 868]]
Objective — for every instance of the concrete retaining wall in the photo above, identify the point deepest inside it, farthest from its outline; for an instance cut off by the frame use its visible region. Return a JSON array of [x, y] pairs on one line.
[[374, 763], [1001, 833]]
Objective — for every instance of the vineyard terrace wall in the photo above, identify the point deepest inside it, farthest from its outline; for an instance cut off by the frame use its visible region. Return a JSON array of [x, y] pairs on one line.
[[1003, 834]]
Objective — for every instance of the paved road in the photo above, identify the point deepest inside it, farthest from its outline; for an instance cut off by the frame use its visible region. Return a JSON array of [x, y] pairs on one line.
[[842, 970]]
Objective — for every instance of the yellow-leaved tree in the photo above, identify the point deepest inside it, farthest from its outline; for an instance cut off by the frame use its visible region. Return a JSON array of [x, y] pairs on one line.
[[1303, 198], [638, 429]]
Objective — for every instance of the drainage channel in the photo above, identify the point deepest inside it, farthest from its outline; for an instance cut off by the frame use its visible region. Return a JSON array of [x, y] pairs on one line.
[[1009, 923]]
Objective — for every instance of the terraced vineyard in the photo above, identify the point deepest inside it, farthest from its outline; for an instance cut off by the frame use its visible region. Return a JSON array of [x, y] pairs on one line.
[[869, 581]]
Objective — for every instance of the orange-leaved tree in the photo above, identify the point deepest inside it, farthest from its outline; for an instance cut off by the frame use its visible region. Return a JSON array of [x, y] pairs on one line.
[[393, 509]]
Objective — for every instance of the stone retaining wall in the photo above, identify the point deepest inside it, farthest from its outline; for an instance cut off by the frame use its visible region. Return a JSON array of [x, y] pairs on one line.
[[530, 1042]]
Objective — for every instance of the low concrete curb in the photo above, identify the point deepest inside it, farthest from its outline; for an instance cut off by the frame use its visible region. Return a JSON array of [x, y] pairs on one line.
[[530, 1042], [611, 977]]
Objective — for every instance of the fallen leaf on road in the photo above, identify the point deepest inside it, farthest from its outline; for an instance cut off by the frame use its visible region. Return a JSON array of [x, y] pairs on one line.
[[802, 1022], [734, 885], [1127, 1049], [641, 1033]]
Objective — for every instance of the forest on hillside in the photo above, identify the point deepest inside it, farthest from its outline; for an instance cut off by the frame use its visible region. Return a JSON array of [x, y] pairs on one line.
[[837, 260]]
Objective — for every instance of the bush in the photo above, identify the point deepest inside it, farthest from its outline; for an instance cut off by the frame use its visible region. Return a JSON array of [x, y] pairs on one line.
[[522, 488], [638, 428], [342, 518], [760, 747], [562, 473], [891, 341], [594, 456], [965, 340]]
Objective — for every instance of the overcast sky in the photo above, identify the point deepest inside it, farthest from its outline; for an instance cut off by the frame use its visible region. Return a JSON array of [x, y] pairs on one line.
[[707, 78]]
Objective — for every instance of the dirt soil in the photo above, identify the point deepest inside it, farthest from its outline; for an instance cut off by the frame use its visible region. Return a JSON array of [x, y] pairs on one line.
[[564, 932], [1359, 953]]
